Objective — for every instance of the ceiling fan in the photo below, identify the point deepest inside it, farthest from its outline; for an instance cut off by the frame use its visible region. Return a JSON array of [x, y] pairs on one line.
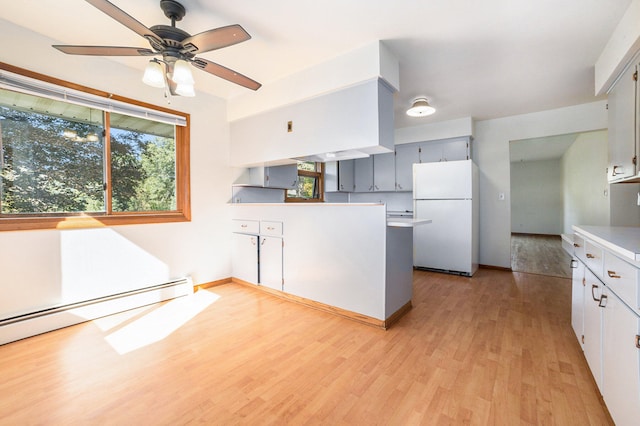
[[177, 48]]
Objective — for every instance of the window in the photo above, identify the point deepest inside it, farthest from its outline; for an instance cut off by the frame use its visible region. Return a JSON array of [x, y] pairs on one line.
[[89, 161], [310, 186]]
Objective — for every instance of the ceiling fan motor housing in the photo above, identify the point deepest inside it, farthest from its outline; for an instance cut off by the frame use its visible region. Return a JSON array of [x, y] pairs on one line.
[[172, 10]]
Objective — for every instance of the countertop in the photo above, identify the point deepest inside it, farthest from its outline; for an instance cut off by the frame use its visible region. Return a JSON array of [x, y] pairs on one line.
[[624, 241], [405, 222]]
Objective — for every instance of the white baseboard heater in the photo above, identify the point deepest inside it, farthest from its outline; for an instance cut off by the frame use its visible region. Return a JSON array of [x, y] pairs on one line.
[[31, 324]]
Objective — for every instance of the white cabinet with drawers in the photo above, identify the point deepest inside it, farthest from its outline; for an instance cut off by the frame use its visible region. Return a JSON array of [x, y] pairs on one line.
[[257, 252], [607, 262]]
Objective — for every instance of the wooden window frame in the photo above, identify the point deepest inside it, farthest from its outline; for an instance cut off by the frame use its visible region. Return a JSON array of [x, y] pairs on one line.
[[319, 178], [109, 218]]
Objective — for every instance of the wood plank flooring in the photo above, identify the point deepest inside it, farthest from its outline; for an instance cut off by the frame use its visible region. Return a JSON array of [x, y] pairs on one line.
[[539, 254], [495, 349]]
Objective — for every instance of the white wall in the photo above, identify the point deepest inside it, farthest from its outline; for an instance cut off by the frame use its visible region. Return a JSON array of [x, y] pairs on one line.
[[41, 268], [491, 153], [586, 191], [536, 197]]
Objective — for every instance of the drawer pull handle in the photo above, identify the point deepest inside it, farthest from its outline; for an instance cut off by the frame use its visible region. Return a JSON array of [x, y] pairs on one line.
[[638, 341], [590, 256], [603, 301], [612, 274], [270, 228], [243, 226], [576, 245], [593, 296], [573, 264]]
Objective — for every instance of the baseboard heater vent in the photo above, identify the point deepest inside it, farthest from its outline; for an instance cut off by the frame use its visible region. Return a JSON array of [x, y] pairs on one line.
[[33, 323]]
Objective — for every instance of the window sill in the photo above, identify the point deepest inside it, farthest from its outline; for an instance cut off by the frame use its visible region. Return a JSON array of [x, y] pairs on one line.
[[87, 221]]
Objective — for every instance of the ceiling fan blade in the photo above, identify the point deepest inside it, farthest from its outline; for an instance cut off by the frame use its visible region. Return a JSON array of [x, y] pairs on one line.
[[105, 50], [215, 39], [125, 19], [225, 73]]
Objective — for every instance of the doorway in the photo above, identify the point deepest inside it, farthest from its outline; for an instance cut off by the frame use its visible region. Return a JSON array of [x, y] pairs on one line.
[[556, 182]]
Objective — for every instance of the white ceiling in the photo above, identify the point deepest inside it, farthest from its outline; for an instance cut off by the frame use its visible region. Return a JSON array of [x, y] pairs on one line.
[[481, 59]]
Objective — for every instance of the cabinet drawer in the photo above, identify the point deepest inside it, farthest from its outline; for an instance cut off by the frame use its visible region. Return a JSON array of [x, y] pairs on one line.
[[270, 228], [593, 258], [245, 226], [622, 278], [578, 247]]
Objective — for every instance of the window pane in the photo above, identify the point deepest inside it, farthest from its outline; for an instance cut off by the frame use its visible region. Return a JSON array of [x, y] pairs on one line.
[[307, 165], [143, 166], [307, 188], [51, 156]]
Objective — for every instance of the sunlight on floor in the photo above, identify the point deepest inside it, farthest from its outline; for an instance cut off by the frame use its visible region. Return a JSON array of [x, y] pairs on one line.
[[155, 324]]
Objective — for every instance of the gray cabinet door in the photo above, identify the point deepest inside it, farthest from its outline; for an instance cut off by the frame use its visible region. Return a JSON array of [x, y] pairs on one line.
[[346, 175], [406, 156], [455, 150], [363, 172], [384, 172], [285, 177], [622, 113]]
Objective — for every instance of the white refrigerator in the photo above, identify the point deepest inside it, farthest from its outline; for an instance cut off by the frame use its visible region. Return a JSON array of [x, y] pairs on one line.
[[447, 193]]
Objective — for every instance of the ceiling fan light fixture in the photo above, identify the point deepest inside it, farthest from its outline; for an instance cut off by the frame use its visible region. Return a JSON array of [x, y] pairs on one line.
[[420, 108], [183, 89], [182, 73], [154, 74]]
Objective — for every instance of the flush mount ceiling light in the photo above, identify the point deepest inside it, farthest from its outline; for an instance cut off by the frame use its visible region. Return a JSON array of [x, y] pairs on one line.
[[420, 108], [177, 48]]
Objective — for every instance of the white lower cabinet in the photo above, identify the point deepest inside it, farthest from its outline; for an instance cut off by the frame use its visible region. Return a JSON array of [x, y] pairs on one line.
[[577, 299], [621, 360], [593, 325], [606, 319], [257, 252], [244, 256], [271, 262]]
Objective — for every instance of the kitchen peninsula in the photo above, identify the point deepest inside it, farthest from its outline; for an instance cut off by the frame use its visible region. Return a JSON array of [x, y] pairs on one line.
[[349, 259]]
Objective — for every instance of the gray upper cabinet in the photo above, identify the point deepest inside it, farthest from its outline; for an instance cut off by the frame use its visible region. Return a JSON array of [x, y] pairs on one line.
[[363, 174], [445, 150], [285, 177], [384, 172], [623, 138], [406, 156], [338, 176], [375, 173]]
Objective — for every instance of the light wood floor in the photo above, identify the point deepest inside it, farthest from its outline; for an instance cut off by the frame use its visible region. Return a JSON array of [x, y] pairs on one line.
[[540, 254], [495, 349]]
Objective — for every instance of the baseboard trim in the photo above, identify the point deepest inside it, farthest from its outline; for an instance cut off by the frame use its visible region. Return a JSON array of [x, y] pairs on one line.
[[212, 284], [395, 317], [354, 316], [497, 268]]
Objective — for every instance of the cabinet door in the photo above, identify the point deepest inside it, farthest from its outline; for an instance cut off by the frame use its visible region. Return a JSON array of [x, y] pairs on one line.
[[363, 172], [622, 143], [244, 257], [455, 150], [346, 176], [384, 172], [593, 326], [430, 152], [406, 156], [621, 361], [271, 262], [577, 299], [285, 177]]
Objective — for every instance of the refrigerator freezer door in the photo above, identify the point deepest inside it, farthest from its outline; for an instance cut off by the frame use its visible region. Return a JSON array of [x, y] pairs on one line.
[[446, 243], [443, 180]]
